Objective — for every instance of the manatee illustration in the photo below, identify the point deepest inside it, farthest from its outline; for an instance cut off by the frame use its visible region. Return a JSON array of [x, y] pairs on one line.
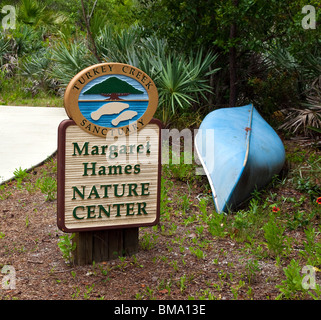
[[109, 108], [126, 115]]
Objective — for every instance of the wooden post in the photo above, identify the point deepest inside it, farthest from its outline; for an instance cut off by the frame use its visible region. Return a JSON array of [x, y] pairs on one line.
[[104, 245]]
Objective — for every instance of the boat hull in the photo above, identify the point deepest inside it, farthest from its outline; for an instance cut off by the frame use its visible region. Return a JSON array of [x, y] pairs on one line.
[[240, 152]]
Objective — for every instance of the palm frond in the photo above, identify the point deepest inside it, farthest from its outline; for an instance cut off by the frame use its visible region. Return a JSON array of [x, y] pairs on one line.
[[299, 120], [4, 48], [69, 60]]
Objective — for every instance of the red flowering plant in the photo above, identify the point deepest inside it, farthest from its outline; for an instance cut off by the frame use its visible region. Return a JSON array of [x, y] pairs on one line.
[[275, 209], [318, 201]]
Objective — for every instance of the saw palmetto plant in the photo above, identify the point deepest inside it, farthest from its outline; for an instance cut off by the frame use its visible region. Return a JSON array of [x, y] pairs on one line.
[[307, 115], [182, 81], [307, 118], [69, 59], [302, 120]]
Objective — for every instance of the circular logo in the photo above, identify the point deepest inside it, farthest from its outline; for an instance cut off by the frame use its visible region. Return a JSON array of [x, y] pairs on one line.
[[111, 98]]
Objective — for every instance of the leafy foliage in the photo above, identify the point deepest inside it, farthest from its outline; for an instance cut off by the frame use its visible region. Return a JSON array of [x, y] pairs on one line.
[[185, 46], [260, 28], [67, 246], [292, 285], [273, 234], [70, 59], [32, 13]]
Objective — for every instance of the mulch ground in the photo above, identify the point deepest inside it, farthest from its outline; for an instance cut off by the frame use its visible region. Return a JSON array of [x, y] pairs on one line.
[[165, 270]]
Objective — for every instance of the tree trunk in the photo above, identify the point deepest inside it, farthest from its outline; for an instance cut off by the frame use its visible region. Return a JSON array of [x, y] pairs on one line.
[[93, 48], [211, 94], [233, 66], [114, 95]]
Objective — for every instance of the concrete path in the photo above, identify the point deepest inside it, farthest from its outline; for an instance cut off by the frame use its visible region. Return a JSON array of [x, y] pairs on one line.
[[28, 137]]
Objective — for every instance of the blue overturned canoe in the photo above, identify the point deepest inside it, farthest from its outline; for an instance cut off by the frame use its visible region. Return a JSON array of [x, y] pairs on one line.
[[240, 152]]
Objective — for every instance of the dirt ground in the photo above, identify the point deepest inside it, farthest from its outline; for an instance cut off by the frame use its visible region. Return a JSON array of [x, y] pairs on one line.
[[164, 268]]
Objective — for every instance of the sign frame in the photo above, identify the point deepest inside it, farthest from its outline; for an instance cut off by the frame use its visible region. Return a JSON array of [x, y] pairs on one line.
[[61, 178]]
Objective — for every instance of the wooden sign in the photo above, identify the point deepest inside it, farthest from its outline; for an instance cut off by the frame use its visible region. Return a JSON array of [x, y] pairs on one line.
[[111, 96], [108, 183], [109, 152]]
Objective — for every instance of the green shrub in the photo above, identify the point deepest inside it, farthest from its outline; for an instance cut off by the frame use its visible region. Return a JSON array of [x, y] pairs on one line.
[[273, 234], [312, 247], [217, 225], [48, 187], [291, 287], [66, 246]]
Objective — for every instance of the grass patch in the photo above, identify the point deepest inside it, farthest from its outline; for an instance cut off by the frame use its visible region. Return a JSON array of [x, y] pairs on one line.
[[18, 91]]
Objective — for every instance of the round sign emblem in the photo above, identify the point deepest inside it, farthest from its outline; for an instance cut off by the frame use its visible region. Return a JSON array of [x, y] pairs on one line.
[[111, 98]]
